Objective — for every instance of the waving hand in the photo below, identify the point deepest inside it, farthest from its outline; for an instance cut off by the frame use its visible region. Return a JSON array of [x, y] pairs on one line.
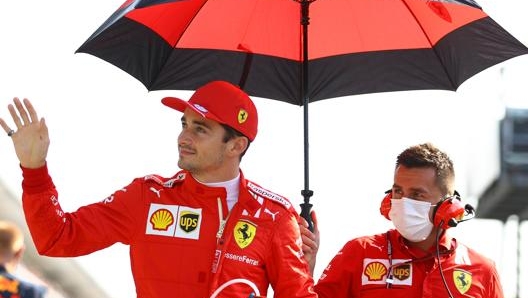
[[30, 138]]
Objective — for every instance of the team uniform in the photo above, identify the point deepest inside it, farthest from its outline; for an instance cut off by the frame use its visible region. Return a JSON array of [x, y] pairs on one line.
[[366, 266], [13, 287], [183, 240]]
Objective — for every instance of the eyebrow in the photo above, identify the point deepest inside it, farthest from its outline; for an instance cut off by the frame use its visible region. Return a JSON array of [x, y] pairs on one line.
[[412, 189], [197, 122]]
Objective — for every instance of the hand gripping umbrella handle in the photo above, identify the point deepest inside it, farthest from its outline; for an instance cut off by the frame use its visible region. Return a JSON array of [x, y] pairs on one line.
[[306, 208]]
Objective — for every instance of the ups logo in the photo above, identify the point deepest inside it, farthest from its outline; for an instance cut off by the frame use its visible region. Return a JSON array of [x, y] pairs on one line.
[[402, 272], [188, 221]]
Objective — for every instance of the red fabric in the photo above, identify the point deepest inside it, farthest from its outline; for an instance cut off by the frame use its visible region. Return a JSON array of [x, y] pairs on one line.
[[352, 272], [171, 227], [272, 27]]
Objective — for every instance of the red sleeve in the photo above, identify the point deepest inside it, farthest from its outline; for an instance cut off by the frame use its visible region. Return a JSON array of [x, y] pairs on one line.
[[494, 286], [336, 279], [68, 234], [288, 271]]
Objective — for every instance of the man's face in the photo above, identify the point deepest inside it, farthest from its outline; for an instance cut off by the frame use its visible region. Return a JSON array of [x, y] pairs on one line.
[[200, 146], [416, 183]]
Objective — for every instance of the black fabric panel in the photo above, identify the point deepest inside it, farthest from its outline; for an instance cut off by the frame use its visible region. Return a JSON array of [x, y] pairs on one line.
[[476, 47], [457, 57], [374, 72], [258, 75], [132, 47]]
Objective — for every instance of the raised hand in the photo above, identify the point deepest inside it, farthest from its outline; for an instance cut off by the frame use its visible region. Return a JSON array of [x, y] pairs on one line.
[[30, 138]]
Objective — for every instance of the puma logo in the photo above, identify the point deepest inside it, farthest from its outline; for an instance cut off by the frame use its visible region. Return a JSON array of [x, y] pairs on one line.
[[156, 191], [271, 213]]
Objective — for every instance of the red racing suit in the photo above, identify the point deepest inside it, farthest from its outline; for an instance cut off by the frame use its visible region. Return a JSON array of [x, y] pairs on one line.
[[183, 241], [363, 266]]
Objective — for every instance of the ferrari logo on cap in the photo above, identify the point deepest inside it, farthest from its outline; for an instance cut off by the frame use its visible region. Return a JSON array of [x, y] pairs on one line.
[[244, 233], [242, 116], [462, 280]]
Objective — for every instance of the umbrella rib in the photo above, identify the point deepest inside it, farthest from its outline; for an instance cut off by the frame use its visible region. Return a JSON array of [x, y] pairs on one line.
[[453, 85], [177, 41]]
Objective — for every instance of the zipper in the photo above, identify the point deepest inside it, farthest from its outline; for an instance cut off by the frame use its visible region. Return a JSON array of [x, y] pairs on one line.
[[219, 236]]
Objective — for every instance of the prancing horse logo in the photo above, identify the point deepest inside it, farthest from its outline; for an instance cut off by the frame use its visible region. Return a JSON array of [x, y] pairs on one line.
[[462, 279], [244, 233]]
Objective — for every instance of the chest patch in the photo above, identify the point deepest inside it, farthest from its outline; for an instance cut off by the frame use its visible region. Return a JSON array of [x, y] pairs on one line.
[[462, 280], [375, 272], [174, 221], [244, 233]]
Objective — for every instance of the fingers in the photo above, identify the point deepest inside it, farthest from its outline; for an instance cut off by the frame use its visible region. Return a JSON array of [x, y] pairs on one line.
[[14, 115], [303, 222], [314, 219], [23, 110], [22, 113], [309, 244], [4, 125]]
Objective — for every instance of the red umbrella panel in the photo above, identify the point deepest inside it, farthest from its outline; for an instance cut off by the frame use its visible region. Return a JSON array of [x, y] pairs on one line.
[[354, 46], [305, 50]]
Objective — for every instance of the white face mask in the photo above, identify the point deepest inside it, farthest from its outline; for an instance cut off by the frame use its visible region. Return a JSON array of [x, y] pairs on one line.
[[411, 218]]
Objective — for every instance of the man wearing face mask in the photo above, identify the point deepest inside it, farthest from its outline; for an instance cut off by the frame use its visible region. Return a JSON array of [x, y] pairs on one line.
[[418, 258]]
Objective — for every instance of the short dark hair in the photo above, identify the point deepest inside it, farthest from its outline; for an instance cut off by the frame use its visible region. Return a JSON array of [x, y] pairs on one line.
[[231, 133], [426, 155]]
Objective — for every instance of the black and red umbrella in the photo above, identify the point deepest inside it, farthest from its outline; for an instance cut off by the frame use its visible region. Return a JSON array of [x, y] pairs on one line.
[[301, 51]]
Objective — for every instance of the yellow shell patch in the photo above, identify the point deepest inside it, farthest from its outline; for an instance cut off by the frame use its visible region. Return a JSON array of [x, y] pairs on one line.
[[375, 271], [161, 219]]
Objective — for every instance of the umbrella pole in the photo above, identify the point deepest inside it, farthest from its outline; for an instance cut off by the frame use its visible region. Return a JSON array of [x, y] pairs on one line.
[[306, 192]]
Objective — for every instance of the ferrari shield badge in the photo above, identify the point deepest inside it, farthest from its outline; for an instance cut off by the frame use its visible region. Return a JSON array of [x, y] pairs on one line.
[[244, 233], [242, 116], [462, 280]]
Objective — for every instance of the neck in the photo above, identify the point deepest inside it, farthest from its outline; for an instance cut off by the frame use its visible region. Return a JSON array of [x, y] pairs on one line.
[[216, 177]]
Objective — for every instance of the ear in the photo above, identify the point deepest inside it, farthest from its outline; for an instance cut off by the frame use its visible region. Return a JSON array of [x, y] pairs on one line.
[[237, 145], [386, 204], [18, 254]]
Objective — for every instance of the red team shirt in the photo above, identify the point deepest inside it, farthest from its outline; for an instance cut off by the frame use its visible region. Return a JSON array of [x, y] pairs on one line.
[[361, 268], [173, 228]]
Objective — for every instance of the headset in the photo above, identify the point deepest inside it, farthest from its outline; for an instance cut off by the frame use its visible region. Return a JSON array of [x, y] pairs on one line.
[[447, 213]]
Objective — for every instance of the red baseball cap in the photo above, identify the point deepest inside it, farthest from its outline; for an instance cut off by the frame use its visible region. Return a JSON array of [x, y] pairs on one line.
[[222, 102]]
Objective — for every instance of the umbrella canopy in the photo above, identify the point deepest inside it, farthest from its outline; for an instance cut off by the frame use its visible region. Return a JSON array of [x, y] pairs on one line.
[[301, 51]]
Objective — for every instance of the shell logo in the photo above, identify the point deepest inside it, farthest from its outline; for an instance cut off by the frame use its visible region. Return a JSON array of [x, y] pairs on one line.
[[375, 271], [162, 219]]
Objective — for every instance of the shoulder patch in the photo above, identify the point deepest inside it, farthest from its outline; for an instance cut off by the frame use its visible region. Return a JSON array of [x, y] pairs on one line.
[[163, 181], [269, 195], [180, 177], [154, 178]]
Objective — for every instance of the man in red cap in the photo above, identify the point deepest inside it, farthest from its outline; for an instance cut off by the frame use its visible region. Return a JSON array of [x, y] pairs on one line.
[[205, 232]]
